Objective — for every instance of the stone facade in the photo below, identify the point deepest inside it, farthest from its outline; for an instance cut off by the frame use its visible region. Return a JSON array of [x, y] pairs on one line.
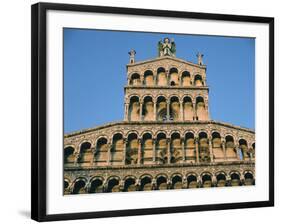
[[167, 139]]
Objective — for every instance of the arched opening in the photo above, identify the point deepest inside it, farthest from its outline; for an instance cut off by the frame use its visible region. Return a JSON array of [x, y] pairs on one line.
[[217, 147], [148, 109], [177, 182], [161, 183], [174, 108], [135, 79], [204, 153], [148, 78], [221, 180], [190, 147], [65, 184], [243, 149], [146, 184], [134, 109], [130, 184], [206, 180], [176, 150], [69, 155], [161, 108], [96, 186], [161, 77], [101, 154], [66, 187], [235, 179], [132, 149], [249, 179], [113, 185], [161, 148], [174, 77], [117, 153], [79, 187], [185, 79], [198, 80], [230, 148], [201, 109], [147, 148], [86, 154], [192, 181], [187, 109]]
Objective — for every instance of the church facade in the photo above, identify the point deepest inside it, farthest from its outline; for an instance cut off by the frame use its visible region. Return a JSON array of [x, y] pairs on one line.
[[166, 140]]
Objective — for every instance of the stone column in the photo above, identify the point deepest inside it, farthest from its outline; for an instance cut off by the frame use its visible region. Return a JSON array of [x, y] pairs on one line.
[[93, 149], [207, 108], [194, 111], [126, 109], [125, 141], [214, 181], [211, 150], [141, 80], [121, 185], [168, 109], [167, 77], [155, 80], [184, 182], [237, 151], [223, 149], [154, 110], [154, 150], [109, 154], [141, 104], [197, 149], [169, 151], [181, 110], [76, 157], [139, 151], [183, 149]]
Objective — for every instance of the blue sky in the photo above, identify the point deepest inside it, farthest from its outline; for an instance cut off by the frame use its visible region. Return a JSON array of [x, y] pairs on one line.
[[95, 74]]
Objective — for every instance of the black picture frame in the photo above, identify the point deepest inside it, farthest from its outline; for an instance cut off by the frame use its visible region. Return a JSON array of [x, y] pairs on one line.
[[39, 107]]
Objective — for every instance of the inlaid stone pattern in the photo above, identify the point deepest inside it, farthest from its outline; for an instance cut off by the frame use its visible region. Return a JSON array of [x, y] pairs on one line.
[[166, 140]]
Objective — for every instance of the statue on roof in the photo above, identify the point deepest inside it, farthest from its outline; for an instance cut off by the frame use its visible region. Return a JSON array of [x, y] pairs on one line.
[[200, 58], [167, 47]]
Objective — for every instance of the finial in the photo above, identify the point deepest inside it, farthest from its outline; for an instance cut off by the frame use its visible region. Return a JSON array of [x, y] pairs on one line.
[[132, 54], [200, 58], [167, 47]]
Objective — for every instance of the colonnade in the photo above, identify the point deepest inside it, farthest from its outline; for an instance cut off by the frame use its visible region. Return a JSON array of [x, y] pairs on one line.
[[166, 77], [164, 108], [163, 149], [162, 181]]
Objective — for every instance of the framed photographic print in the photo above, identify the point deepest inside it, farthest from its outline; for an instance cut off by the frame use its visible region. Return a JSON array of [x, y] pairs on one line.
[[139, 111]]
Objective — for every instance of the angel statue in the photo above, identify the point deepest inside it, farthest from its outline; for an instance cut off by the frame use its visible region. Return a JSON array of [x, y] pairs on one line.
[[167, 47]]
